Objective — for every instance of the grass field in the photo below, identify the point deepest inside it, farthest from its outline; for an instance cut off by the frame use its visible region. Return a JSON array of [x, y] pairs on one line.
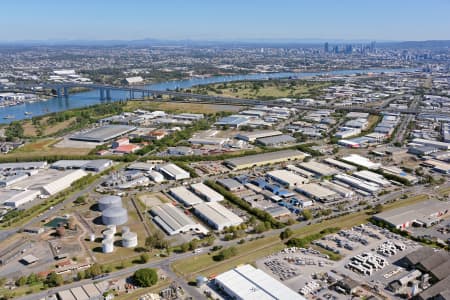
[[178, 107], [264, 89], [44, 147], [252, 251]]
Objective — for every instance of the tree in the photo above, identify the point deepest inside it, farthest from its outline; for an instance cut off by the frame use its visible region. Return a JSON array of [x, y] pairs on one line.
[[54, 280], [287, 233], [144, 258], [145, 277], [21, 281], [307, 215]]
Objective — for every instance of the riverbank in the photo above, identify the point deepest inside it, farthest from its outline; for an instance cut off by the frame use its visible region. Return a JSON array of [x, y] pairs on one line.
[[92, 97]]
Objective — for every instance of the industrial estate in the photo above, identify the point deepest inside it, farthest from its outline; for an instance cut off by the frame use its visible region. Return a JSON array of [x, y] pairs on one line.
[[256, 172]]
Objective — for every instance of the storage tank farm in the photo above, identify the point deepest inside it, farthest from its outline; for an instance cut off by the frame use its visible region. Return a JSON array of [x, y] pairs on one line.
[[113, 215]]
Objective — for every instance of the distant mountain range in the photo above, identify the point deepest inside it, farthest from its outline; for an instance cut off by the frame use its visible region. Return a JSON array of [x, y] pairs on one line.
[[227, 43]]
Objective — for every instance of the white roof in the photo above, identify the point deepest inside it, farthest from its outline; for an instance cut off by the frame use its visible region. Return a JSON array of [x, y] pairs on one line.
[[63, 182], [316, 190], [184, 195], [287, 176], [361, 161], [248, 283], [319, 168], [172, 219], [218, 214], [207, 192]]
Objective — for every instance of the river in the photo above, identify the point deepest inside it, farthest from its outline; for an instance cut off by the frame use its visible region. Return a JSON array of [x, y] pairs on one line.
[[92, 97]]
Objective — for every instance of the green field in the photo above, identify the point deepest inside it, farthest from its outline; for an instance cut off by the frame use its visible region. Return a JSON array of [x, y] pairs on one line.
[[270, 89]]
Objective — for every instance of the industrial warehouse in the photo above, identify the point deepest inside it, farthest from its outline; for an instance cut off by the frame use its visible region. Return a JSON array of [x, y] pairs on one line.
[[216, 216], [250, 161], [173, 220], [207, 193], [185, 196], [103, 134], [248, 283], [422, 214]]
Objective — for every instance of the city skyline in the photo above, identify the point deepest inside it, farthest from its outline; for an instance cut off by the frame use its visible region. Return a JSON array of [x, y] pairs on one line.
[[225, 21]]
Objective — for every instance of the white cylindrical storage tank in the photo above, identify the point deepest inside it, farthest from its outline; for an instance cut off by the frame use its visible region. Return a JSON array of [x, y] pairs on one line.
[[92, 237], [107, 245], [113, 228], [129, 240], [125, 229], [114, 216], [109, 202], [108, 234]]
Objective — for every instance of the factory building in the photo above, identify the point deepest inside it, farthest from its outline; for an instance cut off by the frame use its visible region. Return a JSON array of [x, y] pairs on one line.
[[216, 215], [207, 193], [423, 214], [411, 179], [251, 161], [248, 283], [22, 198], [23, 166], [342, 191], [63, 181], [317, 192], [339, 164], [361, 161], [278, 140], [96, 165], [436, 144], [186, 197], [231, 184], [299, 171], [358, 183], [173, 171], [287, 178], [318, 168], [253, 135], [172, 220], [372, 177], [103, 134]]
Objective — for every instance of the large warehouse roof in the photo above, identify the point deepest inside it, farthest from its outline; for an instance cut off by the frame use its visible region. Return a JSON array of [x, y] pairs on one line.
[[103, 134], [418, 211], [247, 283], [206, 192], [185, 196], [287, 177], [316, 191], [264, 158], [23, 165], [318, 168], [217, 215], [172, 219], [63, 181], [362, 161]]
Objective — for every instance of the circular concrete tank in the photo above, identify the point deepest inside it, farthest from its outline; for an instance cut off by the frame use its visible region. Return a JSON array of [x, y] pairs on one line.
[[107, 245], [109, 202], [114, 216], [129, 240]]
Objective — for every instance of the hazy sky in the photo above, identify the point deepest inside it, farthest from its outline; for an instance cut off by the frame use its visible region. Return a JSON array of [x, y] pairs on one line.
[[224, 19]]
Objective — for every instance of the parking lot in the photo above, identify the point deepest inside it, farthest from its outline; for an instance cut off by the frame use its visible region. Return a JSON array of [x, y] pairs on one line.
[[309, 272]]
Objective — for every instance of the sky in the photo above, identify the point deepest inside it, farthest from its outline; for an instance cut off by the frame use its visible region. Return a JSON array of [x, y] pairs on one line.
[[380, 20]]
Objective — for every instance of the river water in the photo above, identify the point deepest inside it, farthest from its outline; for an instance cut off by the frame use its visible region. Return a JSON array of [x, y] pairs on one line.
[[93, 97]]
